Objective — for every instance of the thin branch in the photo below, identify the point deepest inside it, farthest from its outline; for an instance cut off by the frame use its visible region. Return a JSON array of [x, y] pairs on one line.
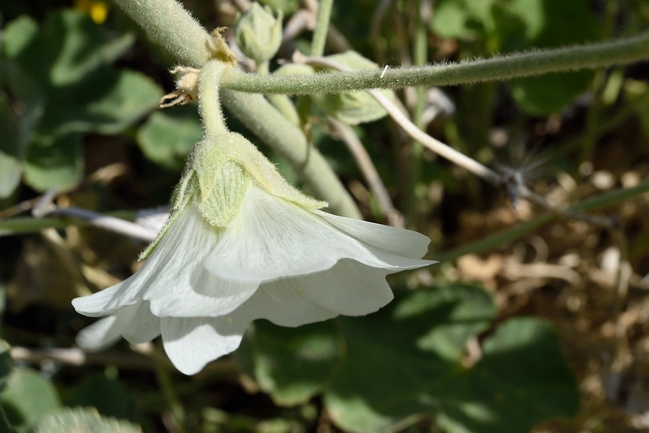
[[497, 179], [115, 225], [129, 361], [497, 68], [414, 132], [46, 208]]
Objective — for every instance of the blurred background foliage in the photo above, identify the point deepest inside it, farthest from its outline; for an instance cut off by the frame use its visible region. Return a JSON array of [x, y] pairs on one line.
[[531, 322]]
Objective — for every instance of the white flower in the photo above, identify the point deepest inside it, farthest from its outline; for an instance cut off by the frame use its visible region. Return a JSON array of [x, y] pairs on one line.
[[275, 259]]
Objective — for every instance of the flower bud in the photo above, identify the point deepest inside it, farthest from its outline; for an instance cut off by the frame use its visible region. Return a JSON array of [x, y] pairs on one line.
[[259, 33], [352, 108]]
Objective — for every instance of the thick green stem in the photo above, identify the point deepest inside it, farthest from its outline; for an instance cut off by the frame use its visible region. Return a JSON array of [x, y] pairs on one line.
[[321, 28], [170, 25], [497, 68], [177, 31]]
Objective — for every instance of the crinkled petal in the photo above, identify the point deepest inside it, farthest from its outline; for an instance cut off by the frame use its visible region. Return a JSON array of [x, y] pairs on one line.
[[100, 335], [195, 292], [349, 288], [134, 322], [95, 305], [284, 303], [191, 343], [394, 240], [272, 238], [143, 325], [174, 260]]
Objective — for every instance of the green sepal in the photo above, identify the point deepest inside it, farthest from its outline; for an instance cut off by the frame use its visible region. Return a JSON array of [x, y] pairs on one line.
[[259, 33], [211, 154]]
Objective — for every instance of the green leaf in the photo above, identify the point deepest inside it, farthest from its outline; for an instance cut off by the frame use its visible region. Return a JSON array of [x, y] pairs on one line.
[[107, 396], [4, 422], [28, 397], [68, 46], [83, 420], [550, 23], [541, 96], [105, 101], [10, 167], [8, 128], [521, 380], [55, 162], [378, 370], [60, 72], [166, 137], [67, 59], [18, 35], [462, 19], [454, 313], [291, 364], [6, 363], [24, 88]]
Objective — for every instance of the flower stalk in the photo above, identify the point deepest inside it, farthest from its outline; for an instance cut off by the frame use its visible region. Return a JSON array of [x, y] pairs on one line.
[[209, 104], [169, 24], [497, 68], [321, 28]]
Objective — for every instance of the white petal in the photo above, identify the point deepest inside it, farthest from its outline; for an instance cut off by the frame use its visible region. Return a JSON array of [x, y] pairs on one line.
[[95, 305], [394, 240], [177, 255], [393, 262], [134, 322], [191, 343], [100, 335], [272, 238], [348, 288], [284, 303], [142, 325], [195, 292]]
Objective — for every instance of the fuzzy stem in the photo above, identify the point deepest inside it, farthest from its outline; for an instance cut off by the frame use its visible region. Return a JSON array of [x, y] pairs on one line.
[[208, 98], [169, 24], [537, 62], [321, 28]]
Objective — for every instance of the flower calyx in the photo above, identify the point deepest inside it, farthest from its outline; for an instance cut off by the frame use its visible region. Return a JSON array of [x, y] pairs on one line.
[[221, 170]]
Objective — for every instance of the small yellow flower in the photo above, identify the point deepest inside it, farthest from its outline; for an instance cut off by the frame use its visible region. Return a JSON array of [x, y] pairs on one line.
[[98, 10]]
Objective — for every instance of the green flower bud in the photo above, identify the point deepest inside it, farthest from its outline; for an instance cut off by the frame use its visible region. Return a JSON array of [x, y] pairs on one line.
[[259, 33], [352, 107]]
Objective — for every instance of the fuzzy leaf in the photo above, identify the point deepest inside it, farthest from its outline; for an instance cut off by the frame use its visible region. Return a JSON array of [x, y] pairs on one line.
[[28, 397], [83, 420], [167, 136]]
